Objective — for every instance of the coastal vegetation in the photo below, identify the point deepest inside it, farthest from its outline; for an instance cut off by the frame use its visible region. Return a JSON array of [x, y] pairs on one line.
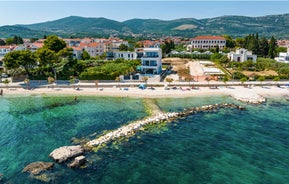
[[56, 60]]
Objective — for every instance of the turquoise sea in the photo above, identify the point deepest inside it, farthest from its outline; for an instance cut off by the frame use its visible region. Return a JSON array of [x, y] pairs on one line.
[[223, 146]]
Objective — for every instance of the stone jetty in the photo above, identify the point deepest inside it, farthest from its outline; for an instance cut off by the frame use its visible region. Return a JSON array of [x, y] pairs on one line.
[[134, 127]]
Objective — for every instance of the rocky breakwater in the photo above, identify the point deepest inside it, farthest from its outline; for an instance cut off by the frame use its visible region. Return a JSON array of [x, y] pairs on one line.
[[132, 128], [75, 154], [64, 153]]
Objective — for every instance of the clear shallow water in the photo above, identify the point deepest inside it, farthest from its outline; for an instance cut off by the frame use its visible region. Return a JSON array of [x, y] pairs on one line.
[[226, 146]]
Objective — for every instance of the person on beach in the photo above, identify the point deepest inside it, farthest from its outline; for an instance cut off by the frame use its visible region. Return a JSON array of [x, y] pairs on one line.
[[1, 92]]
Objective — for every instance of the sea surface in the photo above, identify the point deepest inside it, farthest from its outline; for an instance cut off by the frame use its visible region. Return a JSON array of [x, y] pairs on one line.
[[223, 146]]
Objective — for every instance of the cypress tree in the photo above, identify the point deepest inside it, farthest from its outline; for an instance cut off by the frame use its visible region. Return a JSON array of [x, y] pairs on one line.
[[272, 48]]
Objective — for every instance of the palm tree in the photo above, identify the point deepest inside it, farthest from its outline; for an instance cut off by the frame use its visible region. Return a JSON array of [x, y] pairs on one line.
[[225, 80], [189, 78], [27, 82], [117, 79], [72, 81], [261, 79], [6, 82], [169, 80], [145, 79], [276, 79], [50, 80], [244, 79]]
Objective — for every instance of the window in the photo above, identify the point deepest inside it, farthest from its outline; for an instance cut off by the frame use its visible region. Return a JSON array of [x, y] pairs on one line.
[[153, 63]]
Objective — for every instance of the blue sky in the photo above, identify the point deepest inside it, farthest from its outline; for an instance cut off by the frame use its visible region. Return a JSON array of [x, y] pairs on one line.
[[28, 12]]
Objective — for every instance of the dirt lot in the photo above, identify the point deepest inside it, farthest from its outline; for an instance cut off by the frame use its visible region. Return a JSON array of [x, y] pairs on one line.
[[262, 73], [176, 63]]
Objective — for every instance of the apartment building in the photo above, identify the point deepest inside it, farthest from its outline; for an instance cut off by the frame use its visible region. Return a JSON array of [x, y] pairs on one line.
[[207, 42]]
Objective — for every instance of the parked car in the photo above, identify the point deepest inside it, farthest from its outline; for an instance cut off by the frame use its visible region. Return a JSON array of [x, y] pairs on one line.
[[4, 75]]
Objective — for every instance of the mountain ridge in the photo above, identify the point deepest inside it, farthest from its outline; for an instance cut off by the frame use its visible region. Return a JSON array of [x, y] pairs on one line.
[[232, 25]]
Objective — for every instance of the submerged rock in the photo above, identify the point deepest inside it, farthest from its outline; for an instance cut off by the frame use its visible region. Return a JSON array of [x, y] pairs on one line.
[[36, 167], [77, 162], [45, 177], [63, 153]]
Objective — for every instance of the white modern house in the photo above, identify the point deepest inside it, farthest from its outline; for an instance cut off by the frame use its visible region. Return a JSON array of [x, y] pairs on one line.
[[242, 55], [283, 57], [151, 61]]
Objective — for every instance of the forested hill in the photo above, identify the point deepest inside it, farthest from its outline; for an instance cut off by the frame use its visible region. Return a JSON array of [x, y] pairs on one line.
[[235, 26]]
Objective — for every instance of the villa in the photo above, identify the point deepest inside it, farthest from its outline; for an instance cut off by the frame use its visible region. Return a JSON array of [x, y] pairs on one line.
[[151, 61], [242, 55]]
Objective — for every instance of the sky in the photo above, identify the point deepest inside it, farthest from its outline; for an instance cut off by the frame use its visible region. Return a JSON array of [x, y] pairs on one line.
[[29, 12]]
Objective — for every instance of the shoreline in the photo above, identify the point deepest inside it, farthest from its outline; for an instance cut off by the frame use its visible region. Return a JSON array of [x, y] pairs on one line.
[[158, 92]]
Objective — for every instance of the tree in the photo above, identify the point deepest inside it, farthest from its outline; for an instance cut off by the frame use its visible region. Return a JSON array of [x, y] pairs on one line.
[[225, 80], [2, 42], [284, 71], [216, 56], [85, 55], [6, 82], [72, 81], [276, 79], [54, 43], [23, 58], [17, 40], [167, 47], [50, 80], [27, 82], [47, 57], [189, 78], [261, 79], [11, 62], [224, 60], [217, 49], [243, 80], [9, 41], [263, 47], [117, 79], [169, 80], [123, 47], [230, 43], [240, 42], [145, 79], [27, 60], [272, 48]]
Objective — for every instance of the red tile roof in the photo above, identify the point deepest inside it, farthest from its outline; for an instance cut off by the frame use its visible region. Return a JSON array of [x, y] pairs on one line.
[[209, 38]]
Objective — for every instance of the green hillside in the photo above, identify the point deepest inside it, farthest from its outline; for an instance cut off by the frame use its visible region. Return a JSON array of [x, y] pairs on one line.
[[235, 26]]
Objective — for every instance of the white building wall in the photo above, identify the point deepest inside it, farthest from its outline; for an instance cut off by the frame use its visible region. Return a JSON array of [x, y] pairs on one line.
[[125, 55], [242, 55], [152, 61]]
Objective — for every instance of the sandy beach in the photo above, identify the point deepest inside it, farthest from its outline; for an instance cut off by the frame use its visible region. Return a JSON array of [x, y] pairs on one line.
[[157, 92]]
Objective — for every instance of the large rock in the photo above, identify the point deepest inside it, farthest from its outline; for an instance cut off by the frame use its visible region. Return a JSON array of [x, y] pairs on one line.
[[77, 162], [63, 153], [36, 167]]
